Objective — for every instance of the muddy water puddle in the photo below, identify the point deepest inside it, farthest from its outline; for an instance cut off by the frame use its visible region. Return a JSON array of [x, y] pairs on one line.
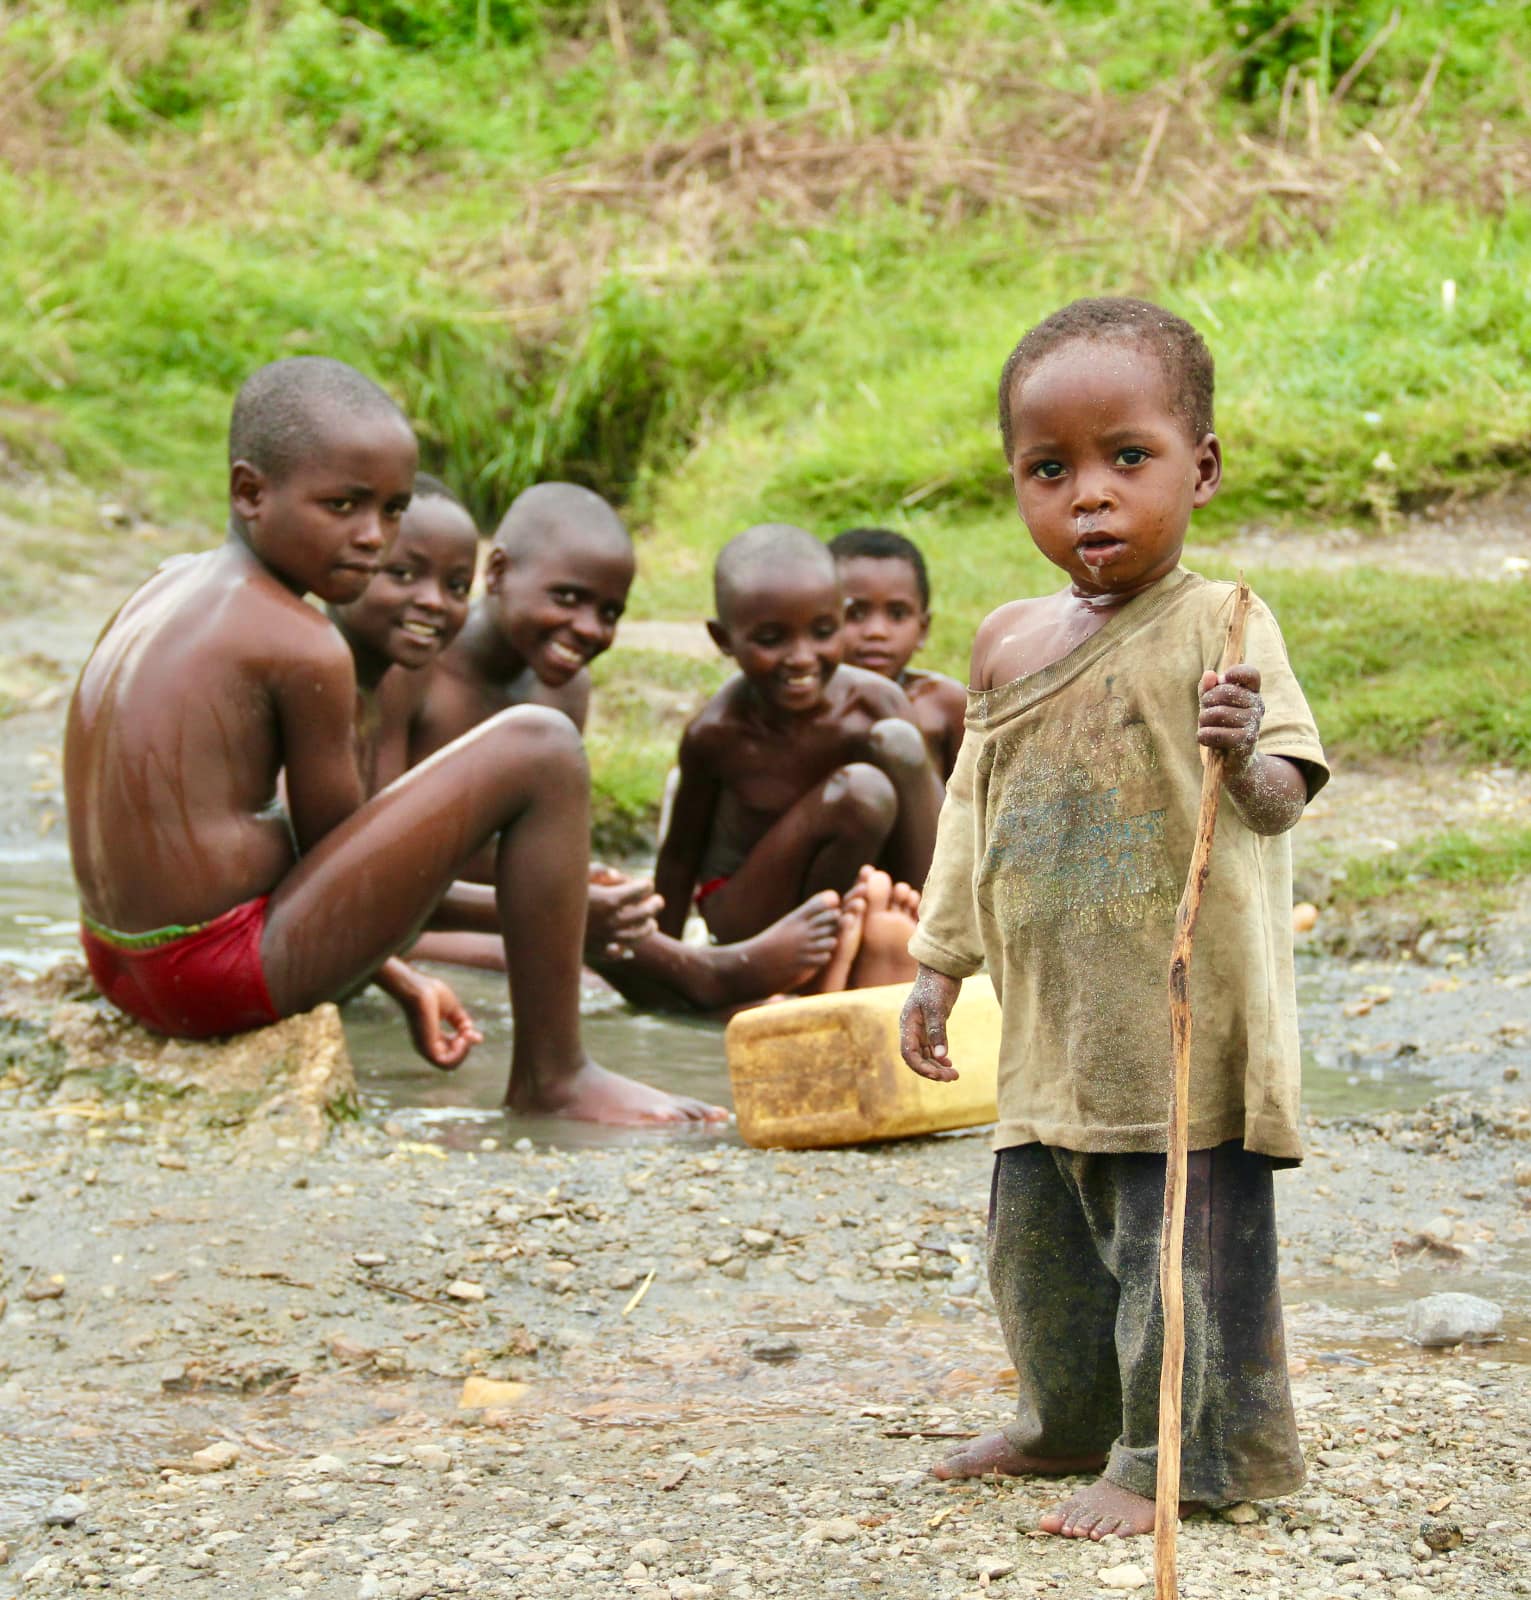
[[462, 1109], [39, 923]]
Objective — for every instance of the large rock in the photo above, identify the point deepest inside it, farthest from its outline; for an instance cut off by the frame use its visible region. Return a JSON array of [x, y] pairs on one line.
[[1446, 1319], [278, 1088]]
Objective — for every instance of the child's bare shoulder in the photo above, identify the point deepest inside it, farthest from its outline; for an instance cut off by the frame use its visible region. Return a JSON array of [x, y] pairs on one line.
[[719, 723]]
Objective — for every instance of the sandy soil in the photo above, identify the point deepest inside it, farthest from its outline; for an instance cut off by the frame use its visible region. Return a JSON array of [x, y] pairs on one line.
[[737, 1365]]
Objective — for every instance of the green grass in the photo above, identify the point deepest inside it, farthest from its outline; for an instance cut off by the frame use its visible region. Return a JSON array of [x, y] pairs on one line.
[[810, 232], [1475, 864]]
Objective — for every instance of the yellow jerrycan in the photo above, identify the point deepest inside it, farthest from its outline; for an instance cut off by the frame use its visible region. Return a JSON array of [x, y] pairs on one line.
[[825, 1069]]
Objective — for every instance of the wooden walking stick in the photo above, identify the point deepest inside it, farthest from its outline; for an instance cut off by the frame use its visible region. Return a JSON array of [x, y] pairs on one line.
[[1172, 1238]]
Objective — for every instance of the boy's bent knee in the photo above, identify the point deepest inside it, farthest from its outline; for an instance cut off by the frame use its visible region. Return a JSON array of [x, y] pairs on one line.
[[897, 747], [862, 796], [536, 731]]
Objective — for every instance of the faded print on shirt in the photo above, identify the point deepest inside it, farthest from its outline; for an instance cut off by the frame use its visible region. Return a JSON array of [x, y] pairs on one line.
[[1076, 831]]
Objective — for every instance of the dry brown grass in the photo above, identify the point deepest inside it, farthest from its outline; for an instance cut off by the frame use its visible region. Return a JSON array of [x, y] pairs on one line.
[[954, 131]]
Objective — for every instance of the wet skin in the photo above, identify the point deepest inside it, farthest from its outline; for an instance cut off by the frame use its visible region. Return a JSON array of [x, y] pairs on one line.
[[544, 617], [799, 771], [216, 676], [1106, 477], [885, 624]]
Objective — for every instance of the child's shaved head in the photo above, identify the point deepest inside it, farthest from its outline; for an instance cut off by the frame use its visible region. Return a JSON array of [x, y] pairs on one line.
[[765, 551], [549, 512], [1179, 348], [276, 412]]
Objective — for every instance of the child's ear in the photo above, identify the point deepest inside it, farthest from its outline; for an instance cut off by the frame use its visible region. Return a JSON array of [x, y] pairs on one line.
[[247, 488], [1209, 470], [919, 644], [719, 635], [494, 569]]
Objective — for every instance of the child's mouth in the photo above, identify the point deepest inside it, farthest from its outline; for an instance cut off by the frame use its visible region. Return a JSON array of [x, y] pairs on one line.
[[1097, 549], [565, 657]]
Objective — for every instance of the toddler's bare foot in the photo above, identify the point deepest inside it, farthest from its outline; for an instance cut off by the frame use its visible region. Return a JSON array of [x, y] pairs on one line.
[[850, 924], [779, 959], [1102, 1509], [592, 1094], [884, 956], [995, 1453]]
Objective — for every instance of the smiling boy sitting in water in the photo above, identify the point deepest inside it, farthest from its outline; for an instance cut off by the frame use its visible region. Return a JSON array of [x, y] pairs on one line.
[[1063, 844], [555, 587], [207, 911], [800, 770]]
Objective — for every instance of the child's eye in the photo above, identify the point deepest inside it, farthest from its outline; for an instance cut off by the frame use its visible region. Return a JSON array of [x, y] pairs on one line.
[[898, 613], [826, 627], [344, 506], [398, 574], [460, 588], [1132, 456], [1047, 471], [856, 611], [565, 597], [611, 615]]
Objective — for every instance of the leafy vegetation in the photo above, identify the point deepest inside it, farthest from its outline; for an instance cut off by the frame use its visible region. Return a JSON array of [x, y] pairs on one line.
[[763, 258]]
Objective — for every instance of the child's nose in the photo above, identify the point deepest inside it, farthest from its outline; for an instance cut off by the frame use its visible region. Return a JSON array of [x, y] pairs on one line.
[[430, 598], [589, 625], [1092, 492], [369, 533]]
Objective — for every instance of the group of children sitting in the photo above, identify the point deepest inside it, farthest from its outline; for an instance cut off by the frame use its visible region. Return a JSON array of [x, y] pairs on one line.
[[267, 804], [425, 746]]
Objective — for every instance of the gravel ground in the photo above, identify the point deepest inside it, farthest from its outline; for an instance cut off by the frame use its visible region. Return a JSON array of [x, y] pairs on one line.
[[737, 1366]]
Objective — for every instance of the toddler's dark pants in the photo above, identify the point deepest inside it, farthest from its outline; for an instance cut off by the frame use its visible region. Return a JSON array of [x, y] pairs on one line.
[[1074, 1264]]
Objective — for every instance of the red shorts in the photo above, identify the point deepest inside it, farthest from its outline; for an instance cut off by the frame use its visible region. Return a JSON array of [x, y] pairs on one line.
[[192, 983], [711, 887]]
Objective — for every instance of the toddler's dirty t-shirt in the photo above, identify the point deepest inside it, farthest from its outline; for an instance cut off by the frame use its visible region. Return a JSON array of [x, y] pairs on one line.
[[1061, 854]]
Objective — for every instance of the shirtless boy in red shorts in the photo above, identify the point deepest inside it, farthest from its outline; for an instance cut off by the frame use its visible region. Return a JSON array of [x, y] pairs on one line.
[[206, 911]]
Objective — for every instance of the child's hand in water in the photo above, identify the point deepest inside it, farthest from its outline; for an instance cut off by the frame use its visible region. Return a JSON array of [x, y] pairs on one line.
[[439, 1023], [1231, 713], [622, 912], [922, 1026]]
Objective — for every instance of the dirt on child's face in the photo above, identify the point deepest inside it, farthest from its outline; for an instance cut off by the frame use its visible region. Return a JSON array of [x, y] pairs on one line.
[[1105, 473], [322, 529], [787, 637], [418, 602], [559, 605], [885, 619]]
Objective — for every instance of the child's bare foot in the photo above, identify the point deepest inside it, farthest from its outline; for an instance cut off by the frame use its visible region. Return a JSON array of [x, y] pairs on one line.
[[884, 956], [779, 959], [995, 1453], [850, 925], [1104, 1508], [592, 1094]]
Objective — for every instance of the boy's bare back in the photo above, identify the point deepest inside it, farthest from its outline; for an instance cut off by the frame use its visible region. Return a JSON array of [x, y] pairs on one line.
[[210, 678]]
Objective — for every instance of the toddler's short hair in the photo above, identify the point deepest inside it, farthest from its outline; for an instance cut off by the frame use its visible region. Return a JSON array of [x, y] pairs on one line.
[[1181, 351], [883, 544]]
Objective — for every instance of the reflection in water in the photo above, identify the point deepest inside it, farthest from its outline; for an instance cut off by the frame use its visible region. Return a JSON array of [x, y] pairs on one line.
[[39, 922]]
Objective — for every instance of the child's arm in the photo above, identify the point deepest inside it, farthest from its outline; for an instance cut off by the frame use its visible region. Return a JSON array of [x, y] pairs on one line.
[[1269, 792], [680, 856], [315, 703]]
